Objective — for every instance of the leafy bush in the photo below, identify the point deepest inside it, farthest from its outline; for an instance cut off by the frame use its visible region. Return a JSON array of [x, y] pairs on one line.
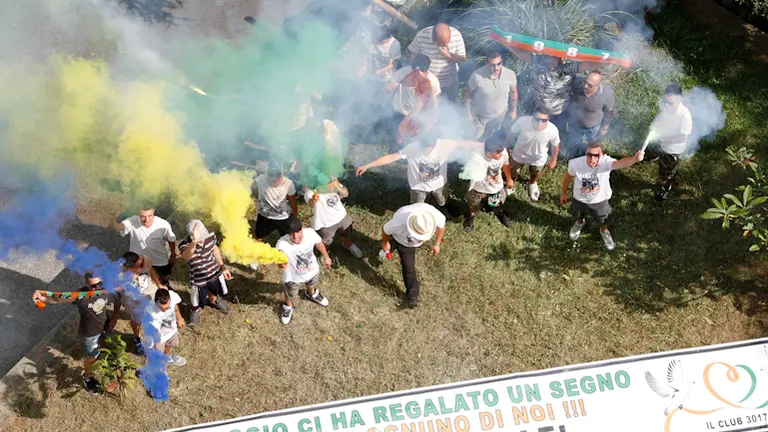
[[117, 370], [746, 209]]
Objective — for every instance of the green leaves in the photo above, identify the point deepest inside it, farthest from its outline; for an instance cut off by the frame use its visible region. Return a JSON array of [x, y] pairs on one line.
[[748, 210], [115, 367]]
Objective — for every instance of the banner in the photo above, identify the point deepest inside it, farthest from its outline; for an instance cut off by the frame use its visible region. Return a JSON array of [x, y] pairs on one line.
[[558, 49], [717, 388]]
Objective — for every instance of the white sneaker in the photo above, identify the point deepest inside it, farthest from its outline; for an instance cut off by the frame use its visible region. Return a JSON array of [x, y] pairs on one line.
[[253, 266], [607, 240], [355, 251], [286, 313], [576, 229], [533, 192], [317, 297], [177, 360]]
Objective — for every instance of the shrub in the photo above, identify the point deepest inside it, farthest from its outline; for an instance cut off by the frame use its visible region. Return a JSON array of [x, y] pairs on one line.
[[747, 209], [117, 370]]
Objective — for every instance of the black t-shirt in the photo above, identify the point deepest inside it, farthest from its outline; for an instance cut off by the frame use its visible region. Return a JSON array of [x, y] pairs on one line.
[[94, 313]]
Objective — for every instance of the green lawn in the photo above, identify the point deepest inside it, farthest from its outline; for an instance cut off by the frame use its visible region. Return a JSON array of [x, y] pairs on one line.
[[495, 301]]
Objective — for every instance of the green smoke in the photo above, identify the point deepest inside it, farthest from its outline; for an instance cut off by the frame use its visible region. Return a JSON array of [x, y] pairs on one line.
[[256, 88]]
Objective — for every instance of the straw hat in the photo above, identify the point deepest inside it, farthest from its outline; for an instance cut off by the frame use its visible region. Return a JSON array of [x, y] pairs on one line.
[[421, 225]]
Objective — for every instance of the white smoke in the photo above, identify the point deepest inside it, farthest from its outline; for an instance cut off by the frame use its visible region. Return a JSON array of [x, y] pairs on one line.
[[707, 114]]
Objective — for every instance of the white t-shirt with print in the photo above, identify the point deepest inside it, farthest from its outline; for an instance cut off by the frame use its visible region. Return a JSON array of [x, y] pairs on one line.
[[302, 263], [673, 123], [397, 227], [273, 201], [328, 211], [532, 146], [149, 241], [165, 321], [591, 185], [405, 98], [427, 172], [491, 181]]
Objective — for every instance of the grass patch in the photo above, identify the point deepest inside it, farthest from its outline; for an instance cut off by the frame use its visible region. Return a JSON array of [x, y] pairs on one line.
[[494, 302]]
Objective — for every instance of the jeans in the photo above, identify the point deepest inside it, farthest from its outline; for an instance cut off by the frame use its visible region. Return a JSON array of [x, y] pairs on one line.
[[408, 266], [577, 138]]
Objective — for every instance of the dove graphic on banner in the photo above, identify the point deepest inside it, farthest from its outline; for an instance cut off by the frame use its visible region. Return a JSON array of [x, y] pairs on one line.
[[676, 389]]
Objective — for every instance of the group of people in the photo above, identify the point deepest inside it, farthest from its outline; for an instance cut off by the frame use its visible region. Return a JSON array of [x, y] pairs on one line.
[[570, 106]]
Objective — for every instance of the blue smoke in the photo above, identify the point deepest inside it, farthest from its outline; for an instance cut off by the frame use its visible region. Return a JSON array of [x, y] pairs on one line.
[[29, 223]]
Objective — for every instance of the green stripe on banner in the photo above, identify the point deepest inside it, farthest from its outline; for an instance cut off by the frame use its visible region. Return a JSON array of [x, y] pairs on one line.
[[559, 49]]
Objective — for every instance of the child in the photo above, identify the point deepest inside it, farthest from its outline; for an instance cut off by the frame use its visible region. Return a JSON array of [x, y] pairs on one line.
[[277, 202], [302, 268], [486, 183], [147, 281], [166, 322], [98, 315], [329, 215]]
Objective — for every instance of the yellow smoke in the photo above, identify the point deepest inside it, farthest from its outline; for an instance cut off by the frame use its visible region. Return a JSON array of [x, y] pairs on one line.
[[73, 111], [154, 159]]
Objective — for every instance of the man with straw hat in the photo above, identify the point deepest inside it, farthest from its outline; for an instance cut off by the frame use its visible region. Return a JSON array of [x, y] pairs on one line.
[[409, 228]]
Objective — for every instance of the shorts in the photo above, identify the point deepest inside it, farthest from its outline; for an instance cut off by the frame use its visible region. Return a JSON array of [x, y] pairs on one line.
[[170, 343], [475, 198], [266, 226], [669, 164], [164, 271], [344, 228], [199, 294], [292, 288], [533, 170], [600, 211], [91, 345], [418, 196]]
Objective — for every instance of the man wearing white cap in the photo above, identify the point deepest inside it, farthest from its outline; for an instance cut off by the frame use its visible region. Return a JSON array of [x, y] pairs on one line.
[[409, 228], [207, 273]]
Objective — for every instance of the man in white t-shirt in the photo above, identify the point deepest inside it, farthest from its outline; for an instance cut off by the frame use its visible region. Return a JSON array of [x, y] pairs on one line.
[[414, 100], [486, 184], [149, 236], [592, 188], [532, 138], [329, 216], [302, 268], [166, 322], [445, 48], [427, 166], [409, 228], [276, 202], [672, 127]]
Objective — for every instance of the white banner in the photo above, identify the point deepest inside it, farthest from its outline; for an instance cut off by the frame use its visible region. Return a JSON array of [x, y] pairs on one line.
[[717, 388]]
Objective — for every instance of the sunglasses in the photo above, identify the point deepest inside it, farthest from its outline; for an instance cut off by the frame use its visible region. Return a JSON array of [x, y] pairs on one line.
[[97, 285], [541, 120], [597, 155]]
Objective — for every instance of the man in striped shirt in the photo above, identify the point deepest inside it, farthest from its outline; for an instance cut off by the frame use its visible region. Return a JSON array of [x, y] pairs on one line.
[[444, 46], [207, 274]]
